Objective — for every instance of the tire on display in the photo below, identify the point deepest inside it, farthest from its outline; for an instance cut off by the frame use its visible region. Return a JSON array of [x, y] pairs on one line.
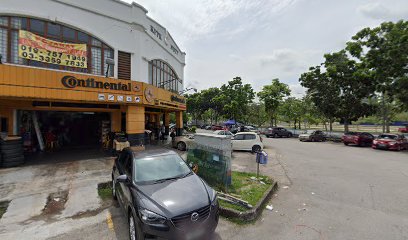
[[181, 146], [13, 151]]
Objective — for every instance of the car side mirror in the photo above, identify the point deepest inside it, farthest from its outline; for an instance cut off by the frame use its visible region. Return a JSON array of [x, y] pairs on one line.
[[122, 179]]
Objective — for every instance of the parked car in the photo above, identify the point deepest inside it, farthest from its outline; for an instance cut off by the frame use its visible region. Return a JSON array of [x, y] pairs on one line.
[[209, 127], [182, 142], [278, 132], [403, 129], [247, 141], [172, 126], [251, 129], [223, 132], [390, 141], [217, 127], [358, 138], [161, 197], [203, 126], [313, 136]]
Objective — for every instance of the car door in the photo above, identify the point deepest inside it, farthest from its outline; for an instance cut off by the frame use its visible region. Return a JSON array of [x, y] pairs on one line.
[[319, 136], [120, 170], [127, 197], [368, 139], [249, 140], [123, 168], [237, 142]]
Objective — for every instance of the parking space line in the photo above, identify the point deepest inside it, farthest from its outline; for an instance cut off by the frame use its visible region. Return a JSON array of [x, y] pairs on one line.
[[109, 221]]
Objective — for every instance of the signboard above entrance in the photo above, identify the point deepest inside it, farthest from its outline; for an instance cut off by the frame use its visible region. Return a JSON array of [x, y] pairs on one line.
[[36, 48]]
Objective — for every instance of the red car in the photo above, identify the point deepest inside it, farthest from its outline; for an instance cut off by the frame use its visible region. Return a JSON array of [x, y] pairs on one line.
[[214, 128], [404, 129], [358, 138], [390, 141]]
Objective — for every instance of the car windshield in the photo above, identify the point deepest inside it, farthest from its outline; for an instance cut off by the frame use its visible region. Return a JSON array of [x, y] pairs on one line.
[[308, 131], [383, 136], [351, 133], [160, 168]]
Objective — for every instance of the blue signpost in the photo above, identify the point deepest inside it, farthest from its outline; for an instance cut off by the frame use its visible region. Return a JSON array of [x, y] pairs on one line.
[[261, 158]]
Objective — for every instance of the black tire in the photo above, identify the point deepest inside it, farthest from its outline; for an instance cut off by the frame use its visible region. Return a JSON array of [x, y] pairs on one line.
[[290, 135], [114, 196], [268, 136], [12, 162], [275, 135], [10, 147], [312, 139], [346, 143], [137, 233], [399, 148], [11, 142], [181, 146], [12, 155], [13, 151], [256, 148]]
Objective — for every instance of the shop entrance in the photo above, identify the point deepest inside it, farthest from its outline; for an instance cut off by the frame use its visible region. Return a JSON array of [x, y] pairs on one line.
[[64, 130]]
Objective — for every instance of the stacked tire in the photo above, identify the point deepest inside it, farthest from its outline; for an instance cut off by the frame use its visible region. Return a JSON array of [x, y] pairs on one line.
[[11, 152]]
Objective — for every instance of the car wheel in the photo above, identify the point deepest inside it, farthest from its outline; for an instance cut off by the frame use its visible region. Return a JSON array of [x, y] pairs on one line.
[[113, 188], [275, 135], [289, 135], [312, 139], [256, 148], [399, 148], [346, 143], [181, 146], [134, 233]]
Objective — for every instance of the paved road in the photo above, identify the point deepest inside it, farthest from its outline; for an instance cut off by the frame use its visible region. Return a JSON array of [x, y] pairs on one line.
[[334, 192]]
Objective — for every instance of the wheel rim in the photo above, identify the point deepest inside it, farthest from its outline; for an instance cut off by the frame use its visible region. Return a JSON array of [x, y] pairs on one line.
[[132, 230]]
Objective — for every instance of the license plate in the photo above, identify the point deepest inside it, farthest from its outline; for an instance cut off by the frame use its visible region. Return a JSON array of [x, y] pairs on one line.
[[382, 145]]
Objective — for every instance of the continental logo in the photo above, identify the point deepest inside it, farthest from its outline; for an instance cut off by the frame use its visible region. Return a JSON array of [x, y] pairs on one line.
[[73, 82], [175, 98]]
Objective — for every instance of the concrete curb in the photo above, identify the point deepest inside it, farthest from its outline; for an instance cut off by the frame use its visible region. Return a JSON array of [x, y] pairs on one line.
[[254, 213]]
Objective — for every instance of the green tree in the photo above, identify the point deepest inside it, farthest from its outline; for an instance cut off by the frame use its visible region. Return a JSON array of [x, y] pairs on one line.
[[272, 96], [235, 96], [345, 83], [256, 114], [383, 51]]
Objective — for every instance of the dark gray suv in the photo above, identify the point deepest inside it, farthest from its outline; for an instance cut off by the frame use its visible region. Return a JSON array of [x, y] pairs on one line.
[[162, 198], [278, 132]]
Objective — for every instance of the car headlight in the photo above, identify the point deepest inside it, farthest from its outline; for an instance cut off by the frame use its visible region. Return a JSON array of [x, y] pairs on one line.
[[150, 217], [393, 143]]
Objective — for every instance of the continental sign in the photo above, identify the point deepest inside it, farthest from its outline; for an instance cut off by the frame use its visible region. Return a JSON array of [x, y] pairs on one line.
[[73, 82], [37, 48]]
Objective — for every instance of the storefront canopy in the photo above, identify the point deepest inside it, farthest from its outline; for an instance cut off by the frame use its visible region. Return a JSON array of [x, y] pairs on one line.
[[230, 122]]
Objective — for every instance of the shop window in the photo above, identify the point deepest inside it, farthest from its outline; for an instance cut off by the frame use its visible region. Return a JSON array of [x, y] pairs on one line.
[[162, 75], [124, 65], [54, 30], [96, 60], [9, 35], [14, 49], [3, 44], [37, 26], [4, 21], [83, 37], [107, 54]]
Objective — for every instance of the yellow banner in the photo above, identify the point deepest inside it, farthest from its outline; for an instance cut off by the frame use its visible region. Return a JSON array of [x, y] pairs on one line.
[[37, 48]]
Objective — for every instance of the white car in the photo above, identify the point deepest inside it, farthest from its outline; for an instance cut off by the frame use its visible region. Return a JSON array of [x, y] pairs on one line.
[[223, 132], [247, 141]]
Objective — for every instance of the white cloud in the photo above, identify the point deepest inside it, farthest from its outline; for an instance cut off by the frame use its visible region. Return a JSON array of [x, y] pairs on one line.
[[377, 10]]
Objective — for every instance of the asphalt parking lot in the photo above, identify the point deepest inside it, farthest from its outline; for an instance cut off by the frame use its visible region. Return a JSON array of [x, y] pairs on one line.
[[327, 191]]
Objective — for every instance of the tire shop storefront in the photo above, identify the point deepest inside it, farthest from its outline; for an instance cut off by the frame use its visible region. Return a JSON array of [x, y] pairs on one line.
[[69, 81]]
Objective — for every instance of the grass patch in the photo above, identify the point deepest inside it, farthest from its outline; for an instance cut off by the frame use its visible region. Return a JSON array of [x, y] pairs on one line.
[[245, 188], [105, 190], [3, 207]]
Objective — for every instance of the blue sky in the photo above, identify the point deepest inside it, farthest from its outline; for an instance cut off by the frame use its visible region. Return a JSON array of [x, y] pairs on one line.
[[259, 40]]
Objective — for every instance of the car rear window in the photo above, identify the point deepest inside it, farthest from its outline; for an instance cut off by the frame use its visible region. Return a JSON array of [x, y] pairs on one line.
[[388, 136], [250, 136]]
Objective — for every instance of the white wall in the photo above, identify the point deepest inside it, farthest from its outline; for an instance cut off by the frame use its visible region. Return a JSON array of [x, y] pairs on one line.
[[124, 27]]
